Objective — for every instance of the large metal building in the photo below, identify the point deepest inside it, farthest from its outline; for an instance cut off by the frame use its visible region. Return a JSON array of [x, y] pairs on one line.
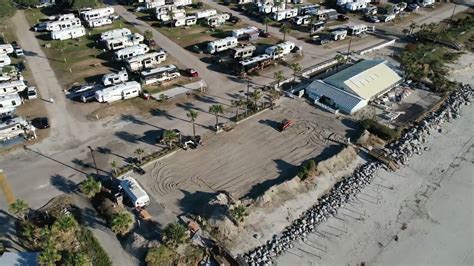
[[351, 89]]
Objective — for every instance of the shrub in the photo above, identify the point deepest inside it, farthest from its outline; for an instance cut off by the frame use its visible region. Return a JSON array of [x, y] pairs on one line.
[[307, 169], [160, 256], [92, 248], [380, 130]]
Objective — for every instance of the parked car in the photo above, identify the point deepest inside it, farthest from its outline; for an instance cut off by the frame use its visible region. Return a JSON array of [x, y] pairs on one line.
[[286, 123], [40, 122], [373, 19], [191, 72], [31, 93], [341, 17], [139, 170], [413, 7], [264, 34], [234, 19]]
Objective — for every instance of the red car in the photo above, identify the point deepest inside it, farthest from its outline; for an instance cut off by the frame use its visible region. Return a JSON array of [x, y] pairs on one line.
[[286, 123], [191, 72]]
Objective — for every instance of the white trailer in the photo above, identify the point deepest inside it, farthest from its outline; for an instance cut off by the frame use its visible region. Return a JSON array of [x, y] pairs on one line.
[[165, 9], [62, 17], [115, 78], [285, 14], [123, 91], [124, 41], [338, 35], [135, 192], [13, 128], [12, 87], [221, 45], [280, 50], [161, 74], [354, 6], [175, 14], [68, 33], [205, 13], [145, 61], [187, 21], [97, 13], [243, 52], [387, 18], [247, 31], [6, 49], [425, 3], [99, 22], [61, 25], [5, 60], [131, 51], [217, 20], [357, 29], [9, 101], [154, 4], [182, 2], [302, 20], [111, 34]]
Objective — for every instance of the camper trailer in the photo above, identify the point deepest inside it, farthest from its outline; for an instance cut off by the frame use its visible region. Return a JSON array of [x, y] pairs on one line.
[[338, 35], [12, 87], [301, 20], [5, 60], [425, 3], [145, 61], [161, 10], [161, 74], [62, 17], [11, 100], [99, 22], [134, 192], [387, 18], [217, 20], [317, 26], [249, 33], [61, 25], [115, 78], [354, 6], [285, 14], [221, 45], [122, 91], [326, 14], [6, 49], [280, 50], [175, 14], [123, 42], [308, 10], [13, 128], [117, 33], [131, 51], [253, 64], [182, 2], [68, 33], [357, 29], [96, 13], [187, 21], [242, 52], [205, 13], [154, 4]]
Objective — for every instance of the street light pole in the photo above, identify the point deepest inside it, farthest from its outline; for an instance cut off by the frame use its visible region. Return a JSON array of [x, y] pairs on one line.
[[93, 159], [247, 101]]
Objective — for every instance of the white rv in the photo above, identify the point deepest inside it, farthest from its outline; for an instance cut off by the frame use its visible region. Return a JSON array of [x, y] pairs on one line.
[[354, 6], [285, 14], [302, 20], [387, 18], [357, 29], [217, 20], [5, 60], [61, 25], [247, 31], [187, 21], [123, 42], [99, 22], [154, 4], [182, 2], [338, 35], [123, 91], [280, 50], [164, 9], [115, 78], [242, 52], [111, 34], [62, 17], [13, 128], [425, 3], [131, 51], [175, 14], [161, 74], [6, 49], [135, 192], [11, 100], [256, 62], [97, 13], [68, 33], [12, 87], [145, 61], [221, 45], [205, 13]]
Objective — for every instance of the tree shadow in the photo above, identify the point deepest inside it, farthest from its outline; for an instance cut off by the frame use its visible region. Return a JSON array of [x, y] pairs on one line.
[[63, 184], [196, 202], [126, 136], [353, 128], [151, 136], [328, 152], [135, 120]]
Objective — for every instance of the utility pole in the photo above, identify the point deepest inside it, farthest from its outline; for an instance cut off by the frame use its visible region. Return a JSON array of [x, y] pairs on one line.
[[93, 159], [452, 15], [247, 100], [349, 48]]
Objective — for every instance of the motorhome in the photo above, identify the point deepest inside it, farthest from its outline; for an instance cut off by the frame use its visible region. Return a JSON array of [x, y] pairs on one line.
[[205, 13], [150, 60], [154, 4], [12, 87], [13, 128], [354, 6], [370, 10], [161, 74], [5, 60], [115, 78], [249, 33], [317, 26], [285, 14], [6, 49], [124, 41], [338, 35], [326, 14], [99, 22], [242, 52], [357, 29], [97, 13], [254, 63], [280, 50], [308, 10], [122, 91], [61, 25], [175, 14], [221, 45], [62, 17], [135, 193], [217, 20], [11, 100], [186, 21], [269, 6], [301, 20], [111, 34], [131, 51], [68, 33], [161, 10], [182, 2]]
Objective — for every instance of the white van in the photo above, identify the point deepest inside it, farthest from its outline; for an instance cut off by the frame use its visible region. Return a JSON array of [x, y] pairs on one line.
[[280, 50], [134, 192], [99, 22], [130, 52], [68, 33]]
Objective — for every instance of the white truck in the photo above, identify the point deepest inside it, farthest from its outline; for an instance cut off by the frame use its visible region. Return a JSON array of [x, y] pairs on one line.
[[5, 60], [122, 91], [115, 78], [6, 49], [217, 20], [161, 74], [150, 60], [64, 24], [135, 193], [123, 42], [285, 14], [338, 35], [99, 22], [111, 34], [13, 86], [221, 45], [68, 33], [131, 51], [97, 13], [280, 50]]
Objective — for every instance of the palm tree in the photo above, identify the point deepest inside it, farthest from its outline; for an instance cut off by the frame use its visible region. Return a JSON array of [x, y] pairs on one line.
[[237, 104], [266, 21], [412, 27], [65, 223], [285, 29], [19, 208], [148, 35], [256, 95], [340, 60], [114, 166], [49, 256], [90, 187], [216, 109], [174, 234], [296, 69], [278, 76], [193, 115], [78, 259], [239, 213], [122, 223], [169, 136], [273, 96], [139, 153]]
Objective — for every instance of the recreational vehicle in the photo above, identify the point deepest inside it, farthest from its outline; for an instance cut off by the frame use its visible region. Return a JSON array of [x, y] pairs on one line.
[[6, 49], [285, 14], [338, 35], [68, 33], [221, 45], [123, 91], [327, 14], [387, 18], [182, 2], [425, 3], [354, 6], [61, 25], [187, 21], [97, 13], [317, 26], [62, 17], [205, 13], [13, 128], [99, 22], [357, 29], [302, 20], [115, 78], [249, 33], [164, 9], [11, 100], [111, 34], [217, 20], [154, 4], [161, 74], [308, 10], [135, 192], [131, 51], [175, 14], [123, 42], [12, 87], [252, 64], [5, 60], [280, 50], [242, 52], [145, 61]]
